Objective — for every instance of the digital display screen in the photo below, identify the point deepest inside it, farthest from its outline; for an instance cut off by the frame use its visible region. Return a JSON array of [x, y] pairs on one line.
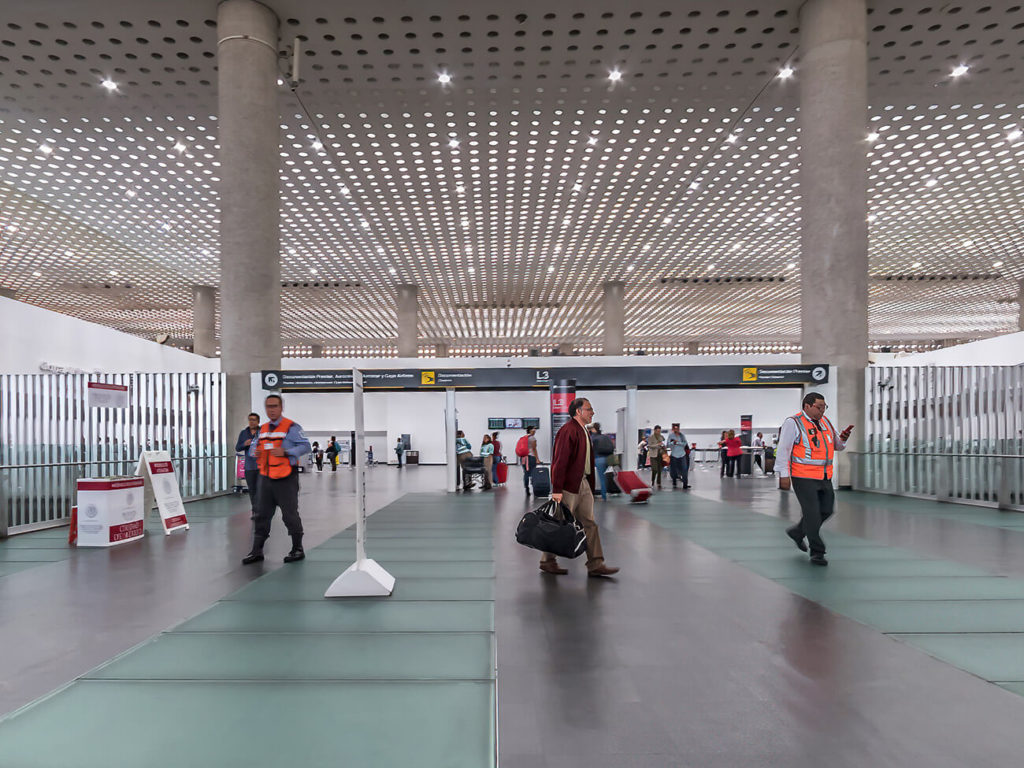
[[493, 424], [513, 423], [532, 422]]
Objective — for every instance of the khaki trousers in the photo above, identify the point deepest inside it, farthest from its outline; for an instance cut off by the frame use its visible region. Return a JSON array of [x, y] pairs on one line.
[[581, 504]]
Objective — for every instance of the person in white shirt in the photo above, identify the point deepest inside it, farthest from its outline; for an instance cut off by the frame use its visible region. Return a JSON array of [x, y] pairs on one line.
[[758, 442], [807, 444]]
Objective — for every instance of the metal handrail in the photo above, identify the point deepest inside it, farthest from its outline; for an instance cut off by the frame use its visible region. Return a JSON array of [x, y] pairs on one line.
[[945, 455], [107, 461]]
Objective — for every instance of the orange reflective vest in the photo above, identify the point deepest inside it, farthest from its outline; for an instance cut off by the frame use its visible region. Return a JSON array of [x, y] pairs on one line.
[[274, 467], [812, 455]]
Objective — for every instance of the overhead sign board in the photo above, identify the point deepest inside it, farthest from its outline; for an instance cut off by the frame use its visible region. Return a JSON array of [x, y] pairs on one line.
[[644, 377]]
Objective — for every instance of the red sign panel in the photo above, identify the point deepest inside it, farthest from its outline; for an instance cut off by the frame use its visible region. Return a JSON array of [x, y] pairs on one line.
[[111, 387], [126, 531], [160, 467], [174, 522], [110, 485]]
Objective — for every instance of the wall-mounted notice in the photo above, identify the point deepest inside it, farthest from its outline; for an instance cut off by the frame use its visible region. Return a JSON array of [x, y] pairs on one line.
[[101, 395], [110, 511], [158, 471]]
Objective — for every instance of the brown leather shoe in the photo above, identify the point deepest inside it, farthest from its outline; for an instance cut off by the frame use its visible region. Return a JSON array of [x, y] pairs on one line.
[[553, 568], [603, 570]]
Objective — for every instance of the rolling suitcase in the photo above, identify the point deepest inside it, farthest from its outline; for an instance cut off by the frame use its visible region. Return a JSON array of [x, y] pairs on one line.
[[609, 483], [501, 468], [541, 481], [630, 482]]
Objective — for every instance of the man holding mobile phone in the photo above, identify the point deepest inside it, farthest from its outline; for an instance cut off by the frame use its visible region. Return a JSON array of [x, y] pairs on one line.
[[807, 446]]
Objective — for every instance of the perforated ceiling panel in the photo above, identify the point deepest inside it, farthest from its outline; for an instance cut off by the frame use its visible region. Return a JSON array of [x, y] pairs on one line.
[[568, 145]]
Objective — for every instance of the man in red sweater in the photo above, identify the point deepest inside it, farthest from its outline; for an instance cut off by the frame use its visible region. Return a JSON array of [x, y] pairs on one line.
[[572, 483]]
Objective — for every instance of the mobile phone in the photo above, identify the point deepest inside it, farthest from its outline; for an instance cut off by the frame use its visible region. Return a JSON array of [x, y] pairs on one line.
[[849, 429]]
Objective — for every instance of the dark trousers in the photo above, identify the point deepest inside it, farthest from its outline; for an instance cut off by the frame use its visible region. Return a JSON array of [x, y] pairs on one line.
[[330, 460], [283, 493], [757, 460], [679, 469], [252, 477], [528, 464], [817, 503], [732, 465], [725, 462], [320, 462]]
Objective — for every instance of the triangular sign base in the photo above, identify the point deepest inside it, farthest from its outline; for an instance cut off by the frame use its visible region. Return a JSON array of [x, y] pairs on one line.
[[364, 578]]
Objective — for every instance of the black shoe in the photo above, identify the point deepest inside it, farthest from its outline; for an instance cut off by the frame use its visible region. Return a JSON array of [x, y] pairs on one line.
[[797, 538], [818, 560], [294, 556], [252, 557], [686, 487]]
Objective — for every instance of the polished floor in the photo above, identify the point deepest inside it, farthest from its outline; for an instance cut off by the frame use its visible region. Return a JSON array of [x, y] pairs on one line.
[[718, 645]]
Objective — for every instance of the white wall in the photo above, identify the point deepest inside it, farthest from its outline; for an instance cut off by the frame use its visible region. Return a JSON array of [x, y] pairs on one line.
[[32, 336], [1007, 349]]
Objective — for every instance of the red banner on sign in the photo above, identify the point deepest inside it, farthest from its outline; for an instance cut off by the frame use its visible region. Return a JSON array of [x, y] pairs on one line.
[[174, 522], [110, 485], [111, 387], [160, 467], [126, 531]]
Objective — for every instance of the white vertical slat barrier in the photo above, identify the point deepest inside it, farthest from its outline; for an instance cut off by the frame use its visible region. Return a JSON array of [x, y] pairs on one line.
[[365, 577]]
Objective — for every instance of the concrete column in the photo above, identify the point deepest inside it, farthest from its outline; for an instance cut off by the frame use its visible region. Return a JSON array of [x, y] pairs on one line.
[[317, 350], [450, 427], [1020, 305], [407, 300], [204, 320], [249, 139], [693, 347], [565, 348], [614, 318], [632, 422], [441, 350], [833, 183]]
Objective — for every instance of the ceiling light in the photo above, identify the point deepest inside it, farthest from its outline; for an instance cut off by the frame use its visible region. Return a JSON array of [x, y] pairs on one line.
[[872, 137], [785, 73], [318, 145], [180, 147], [37, 274], [592, 140], [997, 264], [629, 268], [130, 193], [46, 149], [471, 270], [960, 70], [1014, 135], [931, 183], [280, 81], [731, 138], [615, 75], [453, 143], [109, 84], [968, 243], [393, 271], [791, 266], [444, 78], [916, 265]]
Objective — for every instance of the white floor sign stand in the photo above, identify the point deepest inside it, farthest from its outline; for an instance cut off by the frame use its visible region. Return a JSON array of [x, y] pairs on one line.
[[365, 577], [162, 484]]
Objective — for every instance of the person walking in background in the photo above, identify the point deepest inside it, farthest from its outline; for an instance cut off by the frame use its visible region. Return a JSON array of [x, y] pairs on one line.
[[252, 470], [733, 451], [497, 456], [656, 453], [318, 457], [332, 453], [278, 449], [807, 445], [573, 467], [758, 445], [526, 453], [678, 457], [641, 454], [723, 452], [487, 454], [603, 448], [463, 451], [399, 450]]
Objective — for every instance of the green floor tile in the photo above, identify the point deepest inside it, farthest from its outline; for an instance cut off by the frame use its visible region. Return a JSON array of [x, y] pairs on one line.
[[353, 615], [920, 588], [406, 589], [990, 656], [38, 555], [99, 724], [383, 553], [453, 545], [797, 566], [318, 570], [29, 541], [6, 569], [299, 657], [851, 554], [936, 616]]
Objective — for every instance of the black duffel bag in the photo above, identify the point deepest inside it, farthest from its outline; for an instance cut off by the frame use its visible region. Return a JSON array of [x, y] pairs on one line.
[[552, 528]]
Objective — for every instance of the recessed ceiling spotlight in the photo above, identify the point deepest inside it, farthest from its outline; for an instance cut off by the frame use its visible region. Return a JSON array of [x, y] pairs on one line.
[[968, 243], [471, 270], [960, 71], [731, 138], [130, 193], [791, 266], [551, 269], [872, 137], [444, 78], [916, 265], [1014, 135], [615, 75], [931, 182], [392, 271], [113, 273], [872, 217], [109, 84], [464, 222], [629, 267], [453, 143], [317, 145], [997, 264], [46, 149], [785, 73], [592, 140], [37, 274], [180, 147]]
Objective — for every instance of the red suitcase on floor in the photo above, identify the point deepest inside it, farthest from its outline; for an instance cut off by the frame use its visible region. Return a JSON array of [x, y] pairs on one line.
[[630, 483], [502, 470]]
